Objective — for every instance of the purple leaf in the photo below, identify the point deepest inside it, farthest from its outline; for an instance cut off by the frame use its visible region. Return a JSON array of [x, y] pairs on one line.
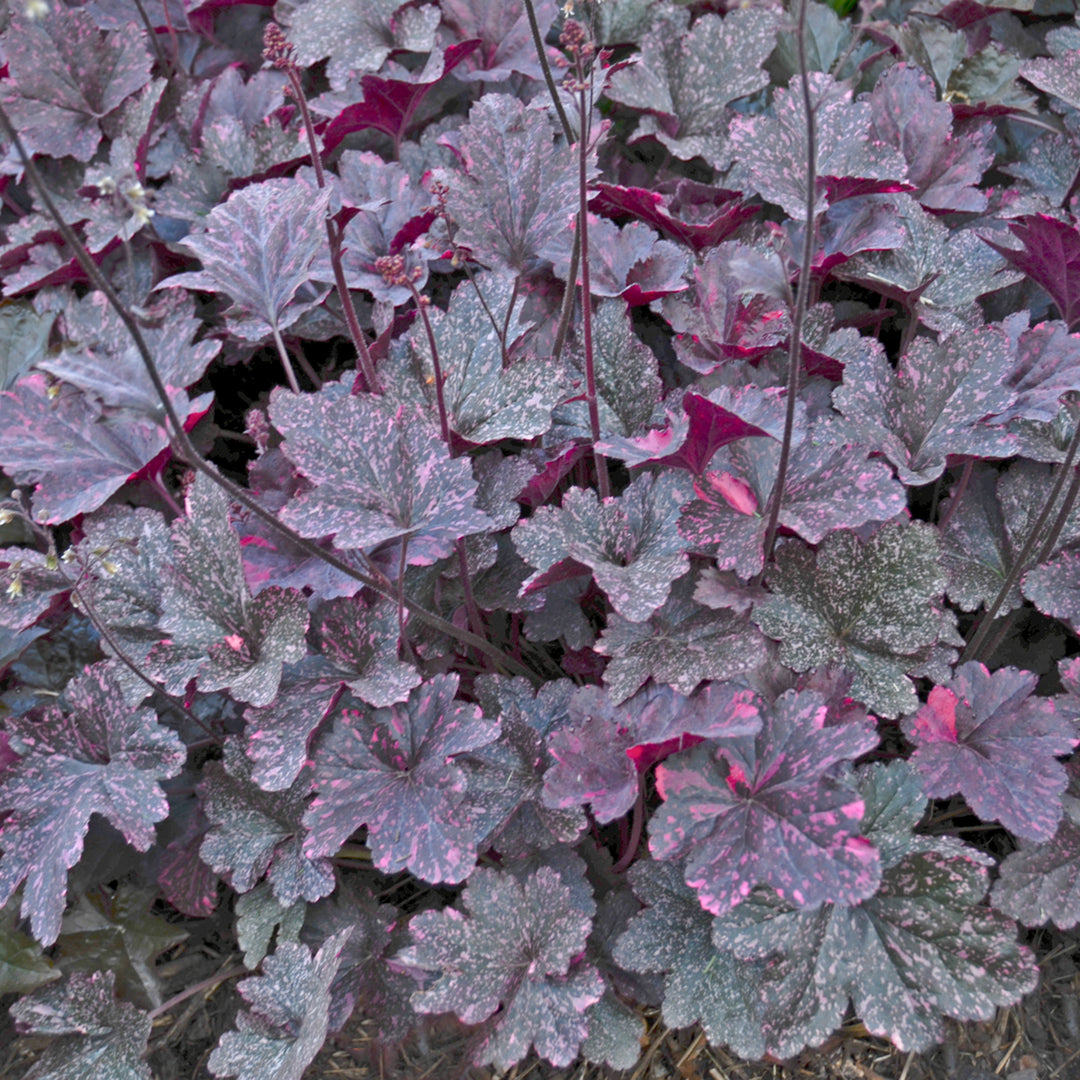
[[378, 475], [629, 262], [1058, 75], [515, 201], [360, 641], [91, 755], [599, 751], [256, 833], [288, 1019], [987, 737], [29, 582], [630, 543], [391, 770], [869, 607], [512, 944], [943, 167], [259, 247], [1050, 256], [66, 77], [1047, 366], [682, 89], [702, 983], [772, 150], [933, 404], [768, 809], [91, 1033], [215, 628]]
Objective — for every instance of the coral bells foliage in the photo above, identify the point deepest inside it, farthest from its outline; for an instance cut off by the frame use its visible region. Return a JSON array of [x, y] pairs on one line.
[[507, 516]]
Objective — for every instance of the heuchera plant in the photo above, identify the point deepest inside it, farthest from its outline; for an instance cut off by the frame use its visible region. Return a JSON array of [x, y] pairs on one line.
[[530, 515]]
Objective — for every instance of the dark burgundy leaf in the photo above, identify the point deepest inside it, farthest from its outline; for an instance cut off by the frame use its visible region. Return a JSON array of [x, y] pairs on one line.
[[513, 943], [987, 737], [1050, 256], [694, 214], [501, 29], [391, 104], [391, 769], [91, 755]]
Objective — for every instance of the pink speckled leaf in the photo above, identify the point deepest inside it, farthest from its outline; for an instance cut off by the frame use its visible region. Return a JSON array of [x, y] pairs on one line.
[[287, 1023], [933, 403], [378, 475], [684, 80], [71, 452], [944, 169], [1058, 74], [868, 607], [65, 76], [518, 194], [987, 737], [512, 943], [391, 769], [1047, 366], [92, 754], [357, 35], [90, 1032], [486, 401], [769, 809], [597, 752], [673, 934], [1041, 882], [680, 645], [772, 149], [631, 543], [256, 833], [215, 629], [259, 247], [923, 947], [828, 487]]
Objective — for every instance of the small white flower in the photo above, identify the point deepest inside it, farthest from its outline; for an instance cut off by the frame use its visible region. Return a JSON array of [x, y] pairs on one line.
[[35, 9]]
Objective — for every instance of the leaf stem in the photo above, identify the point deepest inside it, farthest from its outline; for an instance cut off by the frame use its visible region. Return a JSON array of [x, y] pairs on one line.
[[802, 292], [191, 991], [549, 81], [286, 363]]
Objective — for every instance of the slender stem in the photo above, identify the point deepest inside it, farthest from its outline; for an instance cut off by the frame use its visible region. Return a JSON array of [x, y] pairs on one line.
[[603, 482], [506, 323], [630, 851], [1022, 562], [191, 991], [802, 293], [487, 310], [333, 236], [568, 299], [286, 363], [476, 618], [541, 55], [440, 398], [186, 449], [1059, 522]]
